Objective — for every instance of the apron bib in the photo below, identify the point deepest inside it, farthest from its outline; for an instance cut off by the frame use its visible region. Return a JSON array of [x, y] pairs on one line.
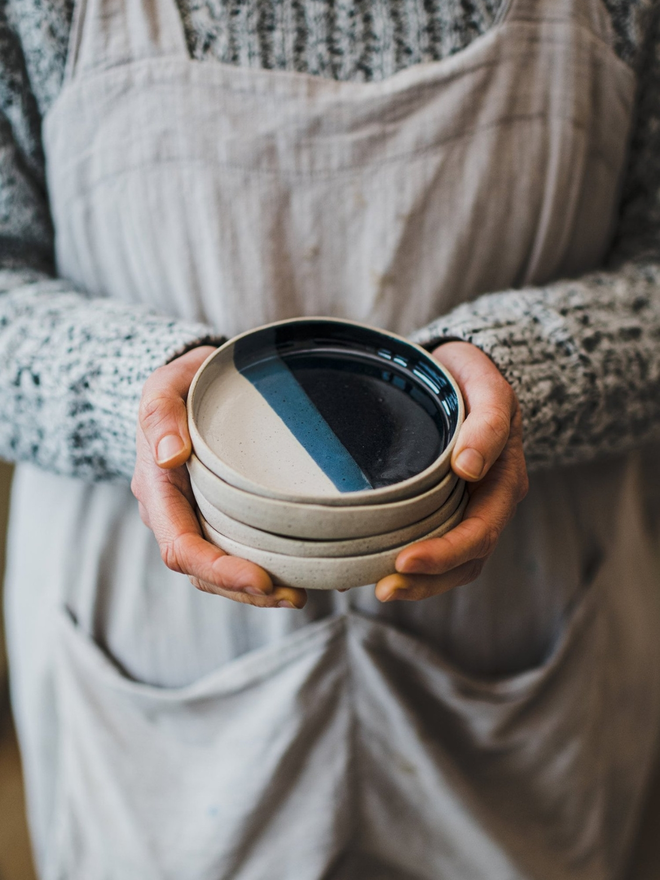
[[482, 734]]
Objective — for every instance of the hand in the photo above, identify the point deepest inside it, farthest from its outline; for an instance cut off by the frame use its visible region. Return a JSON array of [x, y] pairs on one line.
[[167, 505], [489, 454]]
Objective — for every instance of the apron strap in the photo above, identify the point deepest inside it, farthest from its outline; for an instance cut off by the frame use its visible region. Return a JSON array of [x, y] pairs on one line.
[[591, 13], [105, 33]]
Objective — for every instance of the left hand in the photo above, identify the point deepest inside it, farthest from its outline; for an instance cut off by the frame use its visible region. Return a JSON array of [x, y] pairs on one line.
[[166, 501], [489, 455]]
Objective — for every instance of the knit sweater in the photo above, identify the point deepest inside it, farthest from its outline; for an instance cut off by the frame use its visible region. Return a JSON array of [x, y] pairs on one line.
[[583, 355]]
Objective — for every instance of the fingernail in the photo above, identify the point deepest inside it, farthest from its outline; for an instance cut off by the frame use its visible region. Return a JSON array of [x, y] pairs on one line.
[[471, 463], [254, 591], [284, 603], [414, 565], [170, 446]]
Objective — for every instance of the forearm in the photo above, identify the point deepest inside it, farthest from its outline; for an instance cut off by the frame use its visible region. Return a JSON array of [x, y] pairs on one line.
[[72, 371], [582, 356]]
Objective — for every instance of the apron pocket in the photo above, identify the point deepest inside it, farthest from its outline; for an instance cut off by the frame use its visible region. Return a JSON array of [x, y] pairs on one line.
[[215, 780], [499, 778]]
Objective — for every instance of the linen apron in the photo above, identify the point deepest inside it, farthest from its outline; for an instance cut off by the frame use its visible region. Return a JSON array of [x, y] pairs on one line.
[[502, 731]]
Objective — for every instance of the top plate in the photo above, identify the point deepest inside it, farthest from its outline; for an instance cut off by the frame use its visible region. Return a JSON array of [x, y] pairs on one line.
[[325, 411]]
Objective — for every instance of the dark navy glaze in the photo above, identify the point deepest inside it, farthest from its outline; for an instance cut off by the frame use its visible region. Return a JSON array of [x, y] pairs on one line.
[[370, 409]]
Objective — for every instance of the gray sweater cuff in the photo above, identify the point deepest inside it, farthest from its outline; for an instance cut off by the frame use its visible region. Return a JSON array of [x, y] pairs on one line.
[[71, 375], [582, 357]]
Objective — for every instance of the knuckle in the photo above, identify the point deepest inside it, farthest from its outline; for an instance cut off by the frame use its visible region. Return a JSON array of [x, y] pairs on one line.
[[487, 542], [149, 407], [154, 410], [497, 420], [170, 554]]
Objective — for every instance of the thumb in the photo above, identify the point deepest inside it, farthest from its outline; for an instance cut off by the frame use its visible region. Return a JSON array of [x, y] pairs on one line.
[[490, 403], [163, 417]]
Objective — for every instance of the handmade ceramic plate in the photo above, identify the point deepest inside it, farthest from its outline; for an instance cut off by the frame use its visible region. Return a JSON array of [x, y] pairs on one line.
[[238, 531], [322, 411], [322, 572], [316, 521]]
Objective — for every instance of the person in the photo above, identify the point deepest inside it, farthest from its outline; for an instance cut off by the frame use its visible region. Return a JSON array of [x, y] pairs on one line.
[[484, 177]]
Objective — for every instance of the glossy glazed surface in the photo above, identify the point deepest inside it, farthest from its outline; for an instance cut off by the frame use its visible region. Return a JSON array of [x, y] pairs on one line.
[[324, 411]]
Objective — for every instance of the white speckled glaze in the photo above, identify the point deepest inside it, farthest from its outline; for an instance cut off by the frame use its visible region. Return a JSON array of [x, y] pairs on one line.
[[244, 534], [322, 572], [220, 399], [316, 521]]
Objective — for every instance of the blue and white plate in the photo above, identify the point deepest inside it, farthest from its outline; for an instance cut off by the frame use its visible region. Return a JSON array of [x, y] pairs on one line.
[[324, 411]]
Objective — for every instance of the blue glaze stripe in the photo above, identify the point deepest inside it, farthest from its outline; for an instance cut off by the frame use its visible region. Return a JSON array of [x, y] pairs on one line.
[[281, 390]]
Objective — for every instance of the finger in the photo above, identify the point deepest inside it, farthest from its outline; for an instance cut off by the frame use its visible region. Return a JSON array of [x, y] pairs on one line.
[[182, 546], [281, 597], [191, 554], [184, 549], [162, 416], [490, 404], [414, 587], [492, 504]]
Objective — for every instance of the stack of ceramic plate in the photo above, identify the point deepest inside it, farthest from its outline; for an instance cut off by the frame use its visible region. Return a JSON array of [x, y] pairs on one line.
[[322, 449]]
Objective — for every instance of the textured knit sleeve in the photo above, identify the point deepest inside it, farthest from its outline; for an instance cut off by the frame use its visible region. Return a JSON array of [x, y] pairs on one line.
[[71, 368], [583, 355]]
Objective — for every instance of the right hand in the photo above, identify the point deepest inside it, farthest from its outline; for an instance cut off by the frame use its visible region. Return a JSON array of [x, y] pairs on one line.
[[489, 455], [167, 505]]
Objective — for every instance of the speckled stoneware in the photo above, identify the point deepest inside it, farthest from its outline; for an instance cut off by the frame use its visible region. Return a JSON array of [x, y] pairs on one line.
[[321, 411], [321, 572], [237, 531], [315, 521]]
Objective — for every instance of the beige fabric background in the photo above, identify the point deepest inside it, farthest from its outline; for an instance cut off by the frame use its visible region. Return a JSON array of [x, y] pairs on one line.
[[15, 860]]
